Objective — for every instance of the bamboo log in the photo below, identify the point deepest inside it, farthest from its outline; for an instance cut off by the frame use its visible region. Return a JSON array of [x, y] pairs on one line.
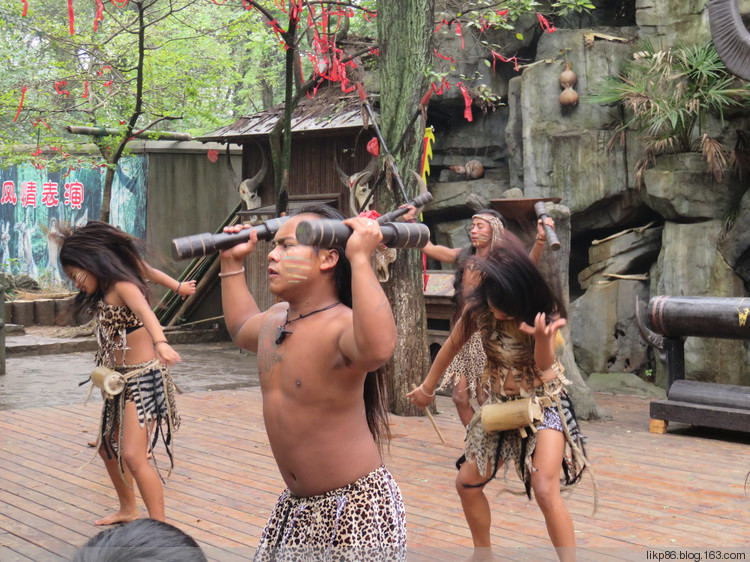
[[511, 415]]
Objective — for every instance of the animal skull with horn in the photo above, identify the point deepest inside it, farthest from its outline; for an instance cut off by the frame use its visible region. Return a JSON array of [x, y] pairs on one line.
[[248, 188], [383, 256], [359, 185]]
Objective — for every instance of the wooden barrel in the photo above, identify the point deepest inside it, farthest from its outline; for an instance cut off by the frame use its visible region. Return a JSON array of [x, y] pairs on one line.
[[512, 414]]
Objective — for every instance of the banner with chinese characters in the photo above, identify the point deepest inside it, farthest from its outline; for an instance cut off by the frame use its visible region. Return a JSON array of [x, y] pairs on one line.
[[35, 202]]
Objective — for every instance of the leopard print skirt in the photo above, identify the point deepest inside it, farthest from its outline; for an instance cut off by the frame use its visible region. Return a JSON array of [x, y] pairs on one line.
[[470, 362], [364, 520], [490, 450]]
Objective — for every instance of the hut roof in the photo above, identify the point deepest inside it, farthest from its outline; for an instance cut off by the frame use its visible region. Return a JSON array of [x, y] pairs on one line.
[[330, 110]]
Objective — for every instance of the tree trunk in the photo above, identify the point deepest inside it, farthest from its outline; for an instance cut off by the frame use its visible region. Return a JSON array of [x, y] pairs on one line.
[[405, 32]]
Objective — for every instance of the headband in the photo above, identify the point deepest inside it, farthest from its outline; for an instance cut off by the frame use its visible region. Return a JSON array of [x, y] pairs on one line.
[[496, 225]]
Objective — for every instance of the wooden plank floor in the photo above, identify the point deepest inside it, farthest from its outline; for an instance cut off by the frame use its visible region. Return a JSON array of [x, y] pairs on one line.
[[681, 490]]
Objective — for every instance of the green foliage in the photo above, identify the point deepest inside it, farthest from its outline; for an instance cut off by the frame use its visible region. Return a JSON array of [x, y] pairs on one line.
[[191, 70], [667, 94]]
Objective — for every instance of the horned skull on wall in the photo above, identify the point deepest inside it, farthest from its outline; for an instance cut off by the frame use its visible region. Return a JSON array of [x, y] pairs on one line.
[[360, 186], [248, 188]]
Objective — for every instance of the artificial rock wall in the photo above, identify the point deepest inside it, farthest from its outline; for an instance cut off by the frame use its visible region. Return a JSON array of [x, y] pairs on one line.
[[678, 234]]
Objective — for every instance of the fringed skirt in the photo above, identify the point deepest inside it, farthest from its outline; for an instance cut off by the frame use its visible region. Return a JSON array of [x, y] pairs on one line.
[[364, 520], [498, 448], [470, 362], [153, 392]]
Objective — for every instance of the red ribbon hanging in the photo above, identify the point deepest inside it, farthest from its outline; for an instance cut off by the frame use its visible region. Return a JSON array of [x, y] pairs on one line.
[[120, 3], [20, 105], [443, 84], [85, 89], [60, 88], [25, 7], [444, 57], [546, 26], [461, 35], [99, 14], [496, 55], [247, 4], [467, 102], [71, 17]]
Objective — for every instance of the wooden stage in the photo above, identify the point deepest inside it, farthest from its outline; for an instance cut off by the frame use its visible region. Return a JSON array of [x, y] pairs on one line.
[[678, 493]]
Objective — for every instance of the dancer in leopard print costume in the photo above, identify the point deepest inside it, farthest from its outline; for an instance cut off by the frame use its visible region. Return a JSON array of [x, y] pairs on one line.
[[323, 404], [106, 266], [517, 316], [465, 371]]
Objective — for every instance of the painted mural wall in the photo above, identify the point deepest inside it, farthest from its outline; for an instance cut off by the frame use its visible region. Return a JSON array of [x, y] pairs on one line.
[[35, 202]]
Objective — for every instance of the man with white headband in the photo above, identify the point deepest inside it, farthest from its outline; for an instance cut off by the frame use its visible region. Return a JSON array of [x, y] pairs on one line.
[[466, 369]]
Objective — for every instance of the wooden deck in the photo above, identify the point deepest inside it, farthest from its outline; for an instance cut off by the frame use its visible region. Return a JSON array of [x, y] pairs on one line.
[[681, 491]]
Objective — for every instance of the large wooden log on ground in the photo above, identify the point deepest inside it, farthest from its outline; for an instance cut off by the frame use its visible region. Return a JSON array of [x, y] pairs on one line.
[[708, 317]]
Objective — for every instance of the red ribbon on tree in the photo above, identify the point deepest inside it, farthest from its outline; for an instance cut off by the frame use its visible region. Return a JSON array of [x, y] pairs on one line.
[[85, 89], [443, 84], [120, 3], [59, 88], [444, 57], [71, 17], [546, 26], [20, 105], [496, 55], [467, 102], [99, 15], [25, 7]]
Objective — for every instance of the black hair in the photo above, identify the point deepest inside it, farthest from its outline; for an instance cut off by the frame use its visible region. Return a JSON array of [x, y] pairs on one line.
[[108, 253], [512, 284], [376, 389], [141, 540], [342, 273]]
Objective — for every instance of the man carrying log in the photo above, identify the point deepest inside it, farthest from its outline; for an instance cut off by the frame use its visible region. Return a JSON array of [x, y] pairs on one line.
[[323, 405]]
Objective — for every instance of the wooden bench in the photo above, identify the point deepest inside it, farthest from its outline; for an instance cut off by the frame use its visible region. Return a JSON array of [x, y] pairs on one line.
[[670, 321]]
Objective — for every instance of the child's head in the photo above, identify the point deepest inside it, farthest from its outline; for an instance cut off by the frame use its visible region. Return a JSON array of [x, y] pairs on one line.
[[142, 539], [101, 251], [512, 286]]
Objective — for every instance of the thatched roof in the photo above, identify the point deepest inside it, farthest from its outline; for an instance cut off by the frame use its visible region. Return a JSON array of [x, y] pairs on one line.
[[330, 109]]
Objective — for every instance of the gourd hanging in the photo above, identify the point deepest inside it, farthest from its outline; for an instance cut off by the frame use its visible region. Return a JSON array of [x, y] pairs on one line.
[[568, 79]]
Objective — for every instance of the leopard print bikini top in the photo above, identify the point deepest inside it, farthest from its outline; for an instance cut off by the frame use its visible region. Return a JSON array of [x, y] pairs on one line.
[[113, 323]]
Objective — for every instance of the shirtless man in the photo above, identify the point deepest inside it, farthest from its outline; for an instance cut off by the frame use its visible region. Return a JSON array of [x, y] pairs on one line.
[[323, 407]]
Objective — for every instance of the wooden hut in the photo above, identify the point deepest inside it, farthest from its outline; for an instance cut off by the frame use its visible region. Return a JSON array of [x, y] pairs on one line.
[[326, 129]]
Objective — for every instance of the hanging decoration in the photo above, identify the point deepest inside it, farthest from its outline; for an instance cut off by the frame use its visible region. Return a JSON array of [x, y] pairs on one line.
[[71, 18], [428, 139], [99, 14], [20, 105], [60, 88], [546, 26], [25, 8], [467, 102]]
